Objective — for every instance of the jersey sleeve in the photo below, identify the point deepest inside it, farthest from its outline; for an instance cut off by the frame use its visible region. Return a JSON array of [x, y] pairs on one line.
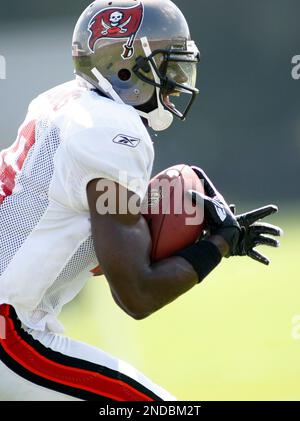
[[125, 157]]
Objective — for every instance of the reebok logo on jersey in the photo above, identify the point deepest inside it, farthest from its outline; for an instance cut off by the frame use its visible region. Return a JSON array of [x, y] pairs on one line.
[[130, 141]]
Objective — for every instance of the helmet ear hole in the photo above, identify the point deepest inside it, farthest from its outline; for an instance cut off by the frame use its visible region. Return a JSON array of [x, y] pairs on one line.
[[124, 75]]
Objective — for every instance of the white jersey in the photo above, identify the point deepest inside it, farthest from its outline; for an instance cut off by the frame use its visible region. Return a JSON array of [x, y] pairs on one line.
[[71, 135]]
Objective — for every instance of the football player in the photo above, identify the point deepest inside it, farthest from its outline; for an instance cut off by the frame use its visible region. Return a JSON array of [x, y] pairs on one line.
[[130, 58]]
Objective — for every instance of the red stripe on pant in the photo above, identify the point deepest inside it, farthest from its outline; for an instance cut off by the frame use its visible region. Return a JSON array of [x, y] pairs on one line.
[[90, 381]]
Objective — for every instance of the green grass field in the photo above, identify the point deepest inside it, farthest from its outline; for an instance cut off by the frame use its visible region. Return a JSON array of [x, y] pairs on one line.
[[228, 339]]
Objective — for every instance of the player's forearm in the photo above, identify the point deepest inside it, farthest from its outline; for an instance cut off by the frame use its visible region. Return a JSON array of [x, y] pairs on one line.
[[157, 286], [161, 283], [167, 280], [164, 282]]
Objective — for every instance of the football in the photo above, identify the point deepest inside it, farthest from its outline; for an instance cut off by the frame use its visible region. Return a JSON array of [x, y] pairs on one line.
[[174, 221]]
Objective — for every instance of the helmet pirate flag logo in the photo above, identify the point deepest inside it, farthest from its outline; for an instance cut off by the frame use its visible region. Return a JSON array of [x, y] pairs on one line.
[[117, 22]]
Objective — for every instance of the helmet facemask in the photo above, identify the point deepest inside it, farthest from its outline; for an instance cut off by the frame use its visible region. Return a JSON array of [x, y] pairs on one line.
[[173, 72]]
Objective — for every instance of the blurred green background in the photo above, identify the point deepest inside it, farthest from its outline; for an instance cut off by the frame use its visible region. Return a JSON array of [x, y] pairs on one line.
[[231, 337]]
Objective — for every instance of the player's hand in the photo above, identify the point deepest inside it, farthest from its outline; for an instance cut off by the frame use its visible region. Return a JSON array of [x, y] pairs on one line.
[[219, 219], [254, 233], [251, 234]]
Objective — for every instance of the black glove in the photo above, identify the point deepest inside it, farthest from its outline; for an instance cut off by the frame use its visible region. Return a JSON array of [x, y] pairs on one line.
[[250, 234], [253, 233], [219, 219]]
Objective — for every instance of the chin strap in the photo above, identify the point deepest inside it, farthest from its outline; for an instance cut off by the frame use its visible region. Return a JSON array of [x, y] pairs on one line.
[[159, 119], [106, 87]]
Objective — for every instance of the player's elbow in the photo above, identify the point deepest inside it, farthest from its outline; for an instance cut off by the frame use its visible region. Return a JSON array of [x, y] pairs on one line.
[[138, 316], [137, 310], [135, 301]]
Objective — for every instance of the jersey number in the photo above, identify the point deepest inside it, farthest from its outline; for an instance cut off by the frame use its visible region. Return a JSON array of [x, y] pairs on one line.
[[13, 158]]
